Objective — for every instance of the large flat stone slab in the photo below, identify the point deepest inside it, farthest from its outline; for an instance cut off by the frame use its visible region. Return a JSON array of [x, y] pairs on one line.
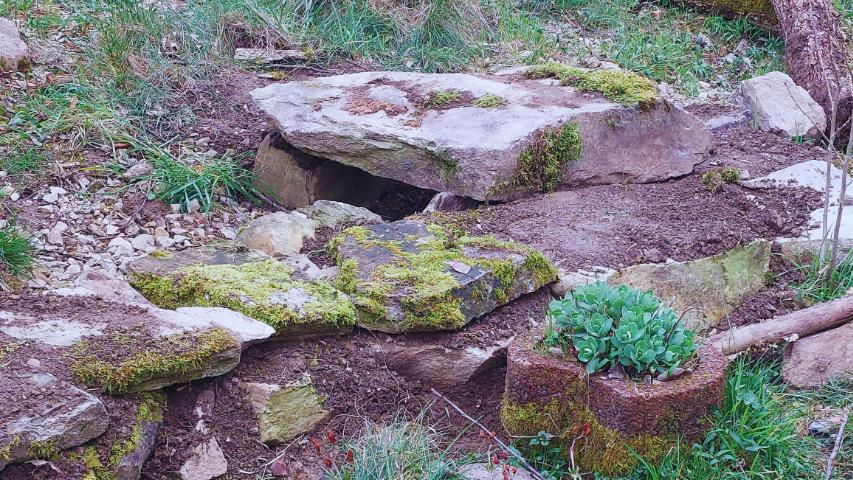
[[14, 54], [484, 137], [262, 288], [411, 276], [41, 415], [114, 346]]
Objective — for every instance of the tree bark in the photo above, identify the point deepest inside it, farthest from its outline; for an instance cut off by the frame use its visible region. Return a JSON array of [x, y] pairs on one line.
[[803, 322], [817, 53]]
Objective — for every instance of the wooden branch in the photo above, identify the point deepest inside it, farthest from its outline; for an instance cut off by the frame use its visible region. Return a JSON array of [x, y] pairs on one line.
[[533, 473], [802, 323], [838, 439]]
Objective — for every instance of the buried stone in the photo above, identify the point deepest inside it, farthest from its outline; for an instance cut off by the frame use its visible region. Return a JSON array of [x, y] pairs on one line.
[[411, 276], [265, 290]]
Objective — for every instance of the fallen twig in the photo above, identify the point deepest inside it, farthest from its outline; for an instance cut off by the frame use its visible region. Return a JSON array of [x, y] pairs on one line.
[[533, 472], [838, 438]]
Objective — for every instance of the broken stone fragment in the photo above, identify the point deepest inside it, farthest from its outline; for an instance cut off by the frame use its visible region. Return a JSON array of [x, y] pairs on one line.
[[206, 463], [703, 291], [812, 361], [448, 202], [285, 412], [265, 290], [41, 415], [488, 471], [484, 137], [410, 276]]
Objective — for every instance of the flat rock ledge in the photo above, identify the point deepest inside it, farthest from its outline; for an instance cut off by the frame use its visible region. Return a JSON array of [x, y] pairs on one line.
[[487, 137], [260, 287], [410, 276], [116, 347]]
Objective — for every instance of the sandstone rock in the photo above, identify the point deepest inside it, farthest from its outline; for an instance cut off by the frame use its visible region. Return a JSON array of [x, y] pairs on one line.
[[812, 360], [811, 174], [781, 106], [328, 213], [121, 347], [41, 415], [704, 291], [410, 276], [285, 412], [142, 438], [262, 288], [441, 367], [448, 202], [436, 131], [264, 56], [206, 463], [277, 233], [723, 122], [246, 330], [486, 471], [138, 170], [297, 179], [14, 54]]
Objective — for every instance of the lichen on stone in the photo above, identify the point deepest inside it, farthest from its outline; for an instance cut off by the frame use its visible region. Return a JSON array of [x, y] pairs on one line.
[[42, 449], [440, 98], [620, 86], [168, 357], [263, 290]]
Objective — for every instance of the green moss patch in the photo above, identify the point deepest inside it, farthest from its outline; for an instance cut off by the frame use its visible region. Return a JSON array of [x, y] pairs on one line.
[[596, 447], [263, 290], [163, 360], [620, 86], [490, 100], [541, 165], [410, 276]]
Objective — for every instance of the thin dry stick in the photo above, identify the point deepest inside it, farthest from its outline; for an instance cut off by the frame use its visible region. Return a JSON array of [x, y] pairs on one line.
[[838, 438], [535, 474]]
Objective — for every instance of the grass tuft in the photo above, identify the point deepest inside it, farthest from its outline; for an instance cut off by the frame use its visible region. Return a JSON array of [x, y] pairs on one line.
[[817, 287], [16, 254]]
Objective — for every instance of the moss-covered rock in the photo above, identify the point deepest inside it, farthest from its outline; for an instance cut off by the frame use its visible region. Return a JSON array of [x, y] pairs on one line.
[[265, 290], [706, 290], [411, 276], [605, 419], [620, 86], [285, 412]]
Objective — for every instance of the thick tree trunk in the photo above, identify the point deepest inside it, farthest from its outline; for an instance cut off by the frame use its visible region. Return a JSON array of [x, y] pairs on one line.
[[802, 323], [817, 54]]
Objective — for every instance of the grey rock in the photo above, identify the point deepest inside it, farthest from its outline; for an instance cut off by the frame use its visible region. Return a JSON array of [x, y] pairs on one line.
[[39, 411], [781, 106], [207, 462], [375, 121], [448, 202], [486, 471], [130, 465], [264, 56], [285, 412], [567, 281], [332, 214], [277, 233]]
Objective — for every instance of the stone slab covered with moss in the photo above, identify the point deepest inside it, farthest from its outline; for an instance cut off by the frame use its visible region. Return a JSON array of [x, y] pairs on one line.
[[490, 137], [707, 290], [411, 276], [264, 289], [607, 417]]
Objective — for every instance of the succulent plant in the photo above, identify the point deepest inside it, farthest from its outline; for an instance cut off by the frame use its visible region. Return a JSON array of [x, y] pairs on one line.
[[606, 326]]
